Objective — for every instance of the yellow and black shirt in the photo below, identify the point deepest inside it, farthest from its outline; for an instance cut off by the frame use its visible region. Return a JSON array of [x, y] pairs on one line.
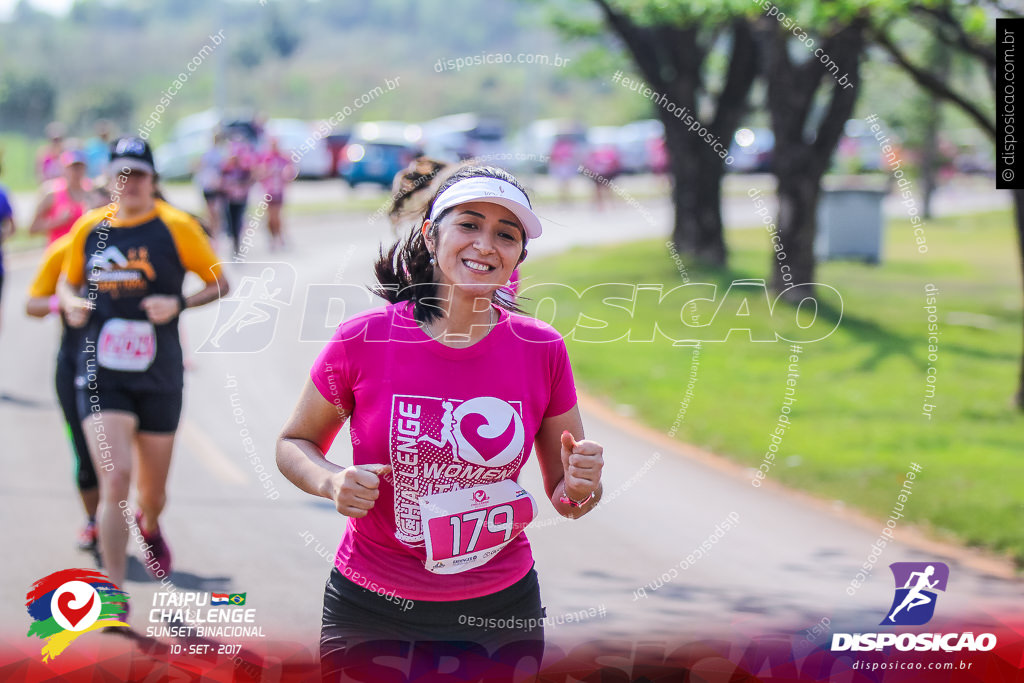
[[116, 264]]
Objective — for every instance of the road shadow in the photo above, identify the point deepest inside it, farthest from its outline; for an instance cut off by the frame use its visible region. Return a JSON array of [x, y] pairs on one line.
[[25, 402], [136, 571]]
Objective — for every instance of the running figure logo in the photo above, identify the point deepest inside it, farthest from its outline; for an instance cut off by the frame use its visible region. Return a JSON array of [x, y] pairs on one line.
[[247, 319], [916, 583]]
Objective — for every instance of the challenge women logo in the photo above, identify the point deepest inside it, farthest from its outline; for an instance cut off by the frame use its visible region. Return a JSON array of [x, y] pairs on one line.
[[490, 431], [68, 603], [440, 445]]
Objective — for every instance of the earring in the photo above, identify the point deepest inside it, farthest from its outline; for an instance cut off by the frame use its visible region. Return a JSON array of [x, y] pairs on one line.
[[433, 261]]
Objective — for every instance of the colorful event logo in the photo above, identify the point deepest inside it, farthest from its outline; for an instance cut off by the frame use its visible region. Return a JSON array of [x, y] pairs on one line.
[[68, 603], [916, 583]]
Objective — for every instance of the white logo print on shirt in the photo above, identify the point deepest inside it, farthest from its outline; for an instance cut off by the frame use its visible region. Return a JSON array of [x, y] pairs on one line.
[[439, 445]]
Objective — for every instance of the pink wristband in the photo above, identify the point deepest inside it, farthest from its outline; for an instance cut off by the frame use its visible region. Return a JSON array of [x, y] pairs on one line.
[[54, 304]]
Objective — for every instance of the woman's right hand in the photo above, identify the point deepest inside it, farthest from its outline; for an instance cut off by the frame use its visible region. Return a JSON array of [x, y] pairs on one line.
[[355, 489], [77, 311]]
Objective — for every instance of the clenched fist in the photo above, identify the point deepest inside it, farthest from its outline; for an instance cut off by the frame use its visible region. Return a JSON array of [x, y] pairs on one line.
[[582, 462], [355, 489]]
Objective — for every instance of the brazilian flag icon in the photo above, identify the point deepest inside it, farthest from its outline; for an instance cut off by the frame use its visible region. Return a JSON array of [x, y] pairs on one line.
[[237, 598]]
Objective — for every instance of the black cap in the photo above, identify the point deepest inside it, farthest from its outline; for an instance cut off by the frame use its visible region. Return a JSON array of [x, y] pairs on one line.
[[131, 153]]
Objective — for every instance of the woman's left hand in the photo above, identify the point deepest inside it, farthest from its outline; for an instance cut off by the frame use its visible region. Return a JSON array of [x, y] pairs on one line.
[[582, 462], [161, 308]]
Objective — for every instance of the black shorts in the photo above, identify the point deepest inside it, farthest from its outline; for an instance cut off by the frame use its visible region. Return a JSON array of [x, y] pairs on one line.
[[212, 195], [490, 635], [158, 412]]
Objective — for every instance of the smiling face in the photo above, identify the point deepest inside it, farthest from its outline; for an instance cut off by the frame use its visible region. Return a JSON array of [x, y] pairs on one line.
[[477, 247]]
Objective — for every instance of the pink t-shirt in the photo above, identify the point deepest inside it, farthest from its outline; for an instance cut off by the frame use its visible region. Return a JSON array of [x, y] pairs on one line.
[[382, 368]]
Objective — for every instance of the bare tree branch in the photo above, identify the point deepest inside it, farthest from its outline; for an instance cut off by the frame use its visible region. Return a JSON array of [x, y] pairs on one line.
[[929, 82]]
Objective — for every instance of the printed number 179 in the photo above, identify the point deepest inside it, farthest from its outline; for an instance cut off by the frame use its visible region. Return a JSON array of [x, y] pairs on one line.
[[479, 517]]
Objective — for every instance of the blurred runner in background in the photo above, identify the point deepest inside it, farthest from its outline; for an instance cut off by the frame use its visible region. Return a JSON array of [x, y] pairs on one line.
[[563, 165], [207, 175], [275, 171], [64, 199], [122, 284], [48, 164], [236, 178], [6, 230], [42, 301], [97, 149]]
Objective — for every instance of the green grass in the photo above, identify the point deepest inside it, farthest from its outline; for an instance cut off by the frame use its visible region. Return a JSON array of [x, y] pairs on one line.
[[857, 423], [18, 159]]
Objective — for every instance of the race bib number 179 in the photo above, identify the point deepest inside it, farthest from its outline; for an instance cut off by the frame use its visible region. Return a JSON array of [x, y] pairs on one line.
[[467, 528]]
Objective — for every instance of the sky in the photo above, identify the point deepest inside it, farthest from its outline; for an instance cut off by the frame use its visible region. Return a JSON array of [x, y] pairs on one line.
[[53, 6]]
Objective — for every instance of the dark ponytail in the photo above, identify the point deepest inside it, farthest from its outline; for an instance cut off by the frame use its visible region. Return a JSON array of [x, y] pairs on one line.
[[404, 271]]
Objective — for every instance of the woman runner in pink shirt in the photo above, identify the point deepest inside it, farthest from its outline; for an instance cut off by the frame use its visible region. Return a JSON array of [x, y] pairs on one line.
[[447, 390]]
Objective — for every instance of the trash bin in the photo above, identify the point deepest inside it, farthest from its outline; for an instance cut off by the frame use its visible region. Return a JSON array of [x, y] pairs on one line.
[[850, 225]]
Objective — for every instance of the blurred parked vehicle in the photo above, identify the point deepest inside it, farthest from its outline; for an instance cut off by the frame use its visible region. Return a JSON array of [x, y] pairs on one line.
[[378, 150], [531, 147], [464, 136], [642, 147], [751, 150], [859, 151], [972, 152], [292, 136], [191, 136], [336, 143]]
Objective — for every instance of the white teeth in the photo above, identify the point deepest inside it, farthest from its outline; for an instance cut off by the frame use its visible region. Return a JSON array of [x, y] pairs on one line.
[[478, 266]]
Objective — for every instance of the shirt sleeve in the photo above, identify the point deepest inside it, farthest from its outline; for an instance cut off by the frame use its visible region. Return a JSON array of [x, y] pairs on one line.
[[45, 281], [74, 259], [563, 388], [331, 373], [194, 248]]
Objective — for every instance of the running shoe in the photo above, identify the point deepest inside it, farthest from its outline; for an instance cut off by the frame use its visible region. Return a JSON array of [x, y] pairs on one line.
[[87, 538], [158, 546]]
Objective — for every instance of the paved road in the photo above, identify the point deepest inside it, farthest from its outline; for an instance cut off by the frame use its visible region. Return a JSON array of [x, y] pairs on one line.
[[785, 565]]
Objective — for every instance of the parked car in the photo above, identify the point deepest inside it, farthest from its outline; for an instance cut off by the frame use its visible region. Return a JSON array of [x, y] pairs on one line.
[[641, 146], [377, 151], [751, 150], [336, 143], [464, 136], [859, 151], [531, 147], [190, 137], [293, 135], [193, 135]]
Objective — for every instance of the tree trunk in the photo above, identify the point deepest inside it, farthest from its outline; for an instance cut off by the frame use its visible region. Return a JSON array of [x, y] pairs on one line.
[[931, 159], [671, 59], [802, 152], [798, 194], [697, 194]]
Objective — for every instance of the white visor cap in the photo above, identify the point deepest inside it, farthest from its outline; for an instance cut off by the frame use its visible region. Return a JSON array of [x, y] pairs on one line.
[[482, 189]]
